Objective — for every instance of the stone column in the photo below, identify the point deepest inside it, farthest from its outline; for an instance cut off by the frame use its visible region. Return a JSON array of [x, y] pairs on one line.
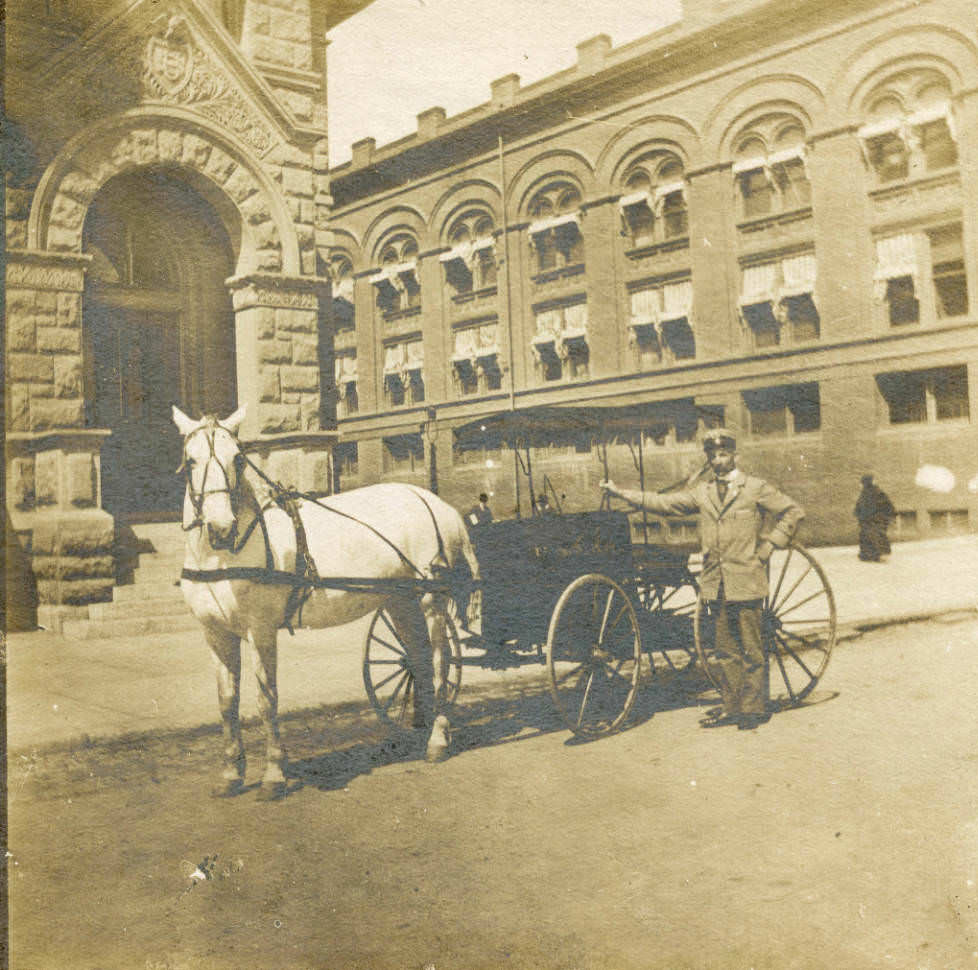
[[284, 347], [604, 326], [52, 469]]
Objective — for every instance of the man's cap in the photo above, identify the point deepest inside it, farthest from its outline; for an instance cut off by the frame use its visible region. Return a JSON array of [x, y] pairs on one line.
[[717, 437], [867, 479], [483, 497]]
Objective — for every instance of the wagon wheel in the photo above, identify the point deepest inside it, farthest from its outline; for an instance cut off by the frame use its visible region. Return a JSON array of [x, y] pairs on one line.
[[389, 678], [668, 608], [594, 655], [797, 626]]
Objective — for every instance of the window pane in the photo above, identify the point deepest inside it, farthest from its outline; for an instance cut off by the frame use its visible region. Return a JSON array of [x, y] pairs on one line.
[[805, 408], [951, 290], [951, 393], [793, 183], [760, 318], [803, 317], [758, 193], [678, 335], [902, 301], [772, 422], [889, 157], [937, 145], [905, 397]]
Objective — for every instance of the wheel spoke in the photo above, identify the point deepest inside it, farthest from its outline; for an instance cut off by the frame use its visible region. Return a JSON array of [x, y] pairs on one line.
[[566, 675], [405, 679], [807, 599], [794, 656], [784, 570], [604, 617], [390, 677], [394, 648], [776, 604], [587, 694], [614, 626], [784, 677]]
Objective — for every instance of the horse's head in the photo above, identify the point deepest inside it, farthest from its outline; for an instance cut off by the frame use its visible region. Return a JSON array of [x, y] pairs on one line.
[[212, 463]]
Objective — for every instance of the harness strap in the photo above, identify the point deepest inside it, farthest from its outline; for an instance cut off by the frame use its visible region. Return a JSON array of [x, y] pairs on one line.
[[280, 577], [440, 561]]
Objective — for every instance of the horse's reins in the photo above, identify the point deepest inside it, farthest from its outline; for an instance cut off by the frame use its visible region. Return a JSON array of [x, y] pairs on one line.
[[306, 577]]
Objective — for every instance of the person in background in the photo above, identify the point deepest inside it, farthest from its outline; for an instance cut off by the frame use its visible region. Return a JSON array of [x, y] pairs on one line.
[[543, 505], [734, 582], [480, 514], [875, 512]]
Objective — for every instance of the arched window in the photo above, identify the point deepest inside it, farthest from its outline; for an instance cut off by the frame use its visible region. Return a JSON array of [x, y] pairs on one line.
[[397, 285], [555, 232], [470, 264], [653, 204], [343, 290], [909, 126], [769, 167]]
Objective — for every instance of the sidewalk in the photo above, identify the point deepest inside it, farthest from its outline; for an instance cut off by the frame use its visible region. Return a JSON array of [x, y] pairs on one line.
[[61, 691]]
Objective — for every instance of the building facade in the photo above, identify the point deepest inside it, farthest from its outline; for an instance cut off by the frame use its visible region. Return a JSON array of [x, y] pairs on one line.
[[763, 220], [167, 199]]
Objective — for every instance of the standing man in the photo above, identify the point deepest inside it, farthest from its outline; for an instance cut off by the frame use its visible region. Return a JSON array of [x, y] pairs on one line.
[[480, 514], [734, 581], [875, 512]]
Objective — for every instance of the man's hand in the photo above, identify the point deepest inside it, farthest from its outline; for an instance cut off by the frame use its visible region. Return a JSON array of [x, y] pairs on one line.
[[610, 487], [764, 550]]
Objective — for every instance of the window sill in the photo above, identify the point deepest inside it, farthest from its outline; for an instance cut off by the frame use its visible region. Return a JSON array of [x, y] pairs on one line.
[[783, 438], [656, 247], [395, 316], [923, 428], [774, 219], [942, 176], [480, 294], [561, 272]]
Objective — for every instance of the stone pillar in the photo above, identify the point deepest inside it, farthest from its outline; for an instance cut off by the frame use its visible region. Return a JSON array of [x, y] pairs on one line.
[[713, 258], [278, 32], [52, 461], [284, 346], [843, 241], [604, 327]]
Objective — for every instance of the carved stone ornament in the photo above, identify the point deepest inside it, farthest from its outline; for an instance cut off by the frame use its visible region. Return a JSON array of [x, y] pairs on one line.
[[177, 71]]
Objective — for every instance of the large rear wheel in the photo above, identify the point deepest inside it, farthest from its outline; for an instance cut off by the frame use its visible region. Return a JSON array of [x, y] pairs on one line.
[[594, 655], [798, 625]]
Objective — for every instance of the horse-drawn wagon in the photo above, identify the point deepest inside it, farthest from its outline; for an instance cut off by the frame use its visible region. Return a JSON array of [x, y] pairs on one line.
[[576, 589], [604, 598]]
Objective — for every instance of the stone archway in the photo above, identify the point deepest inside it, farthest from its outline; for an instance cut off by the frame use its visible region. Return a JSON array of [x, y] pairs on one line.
[[158, 329]]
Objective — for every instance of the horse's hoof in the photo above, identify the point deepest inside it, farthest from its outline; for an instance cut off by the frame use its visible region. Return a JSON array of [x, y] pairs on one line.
[[435, 754], [228, 789], [271, 791]]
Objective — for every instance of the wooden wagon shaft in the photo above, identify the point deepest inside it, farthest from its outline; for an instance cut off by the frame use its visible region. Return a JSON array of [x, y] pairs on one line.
[[279, 577]]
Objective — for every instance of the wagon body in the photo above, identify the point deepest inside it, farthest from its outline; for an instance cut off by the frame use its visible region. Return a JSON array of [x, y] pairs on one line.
[[527, 563]]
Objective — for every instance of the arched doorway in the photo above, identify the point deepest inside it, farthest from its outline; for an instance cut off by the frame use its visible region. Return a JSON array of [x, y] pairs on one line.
[[159, 330]]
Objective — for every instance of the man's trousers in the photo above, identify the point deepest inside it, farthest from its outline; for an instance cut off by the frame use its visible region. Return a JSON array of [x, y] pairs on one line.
[[740, 664]]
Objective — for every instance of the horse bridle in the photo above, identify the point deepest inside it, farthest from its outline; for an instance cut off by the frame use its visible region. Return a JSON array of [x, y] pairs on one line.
[[198, 497]]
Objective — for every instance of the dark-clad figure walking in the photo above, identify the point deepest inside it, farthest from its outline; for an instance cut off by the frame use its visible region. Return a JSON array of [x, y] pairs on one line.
[[480, 514], [734, 582], [875, 512]]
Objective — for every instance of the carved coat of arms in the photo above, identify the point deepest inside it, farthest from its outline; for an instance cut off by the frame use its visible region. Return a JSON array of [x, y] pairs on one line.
[[170, 59]]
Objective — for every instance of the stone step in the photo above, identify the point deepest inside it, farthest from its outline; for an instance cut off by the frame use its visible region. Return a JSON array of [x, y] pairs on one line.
[[135, 592], [157, 572], [132, 627], [137, 609]]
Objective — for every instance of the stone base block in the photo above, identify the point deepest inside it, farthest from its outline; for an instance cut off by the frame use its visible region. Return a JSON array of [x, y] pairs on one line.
[[53, 617]]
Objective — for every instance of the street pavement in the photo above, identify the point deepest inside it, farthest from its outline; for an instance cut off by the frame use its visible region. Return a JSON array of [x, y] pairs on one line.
[[62, 692]]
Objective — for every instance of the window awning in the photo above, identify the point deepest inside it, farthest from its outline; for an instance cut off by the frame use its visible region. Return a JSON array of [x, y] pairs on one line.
[[555, 222], [645, 308], [345, 369], [759, 284], [936, 112], [394, 359], [886, 126], [896, 256], [749, 164], [395, 274], [677, 300], [798, 275], [787, 155], [635, 198], [467, 252], [549, 323], [413, 355], [662, 192], [575, 321]]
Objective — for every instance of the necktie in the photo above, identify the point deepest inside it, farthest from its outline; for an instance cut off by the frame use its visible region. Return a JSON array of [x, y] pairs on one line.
[[722, 488]]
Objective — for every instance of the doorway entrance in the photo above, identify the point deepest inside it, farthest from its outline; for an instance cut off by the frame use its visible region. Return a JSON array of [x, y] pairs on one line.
[[159, 331]]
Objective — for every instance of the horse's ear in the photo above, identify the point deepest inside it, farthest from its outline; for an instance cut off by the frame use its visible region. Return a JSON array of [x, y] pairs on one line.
[[233, 422], [183, 423]]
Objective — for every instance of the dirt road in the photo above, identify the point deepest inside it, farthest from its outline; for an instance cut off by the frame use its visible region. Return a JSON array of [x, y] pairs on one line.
[[840, 835]]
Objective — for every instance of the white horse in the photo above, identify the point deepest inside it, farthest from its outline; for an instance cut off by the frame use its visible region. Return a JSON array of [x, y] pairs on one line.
[[244, 546]]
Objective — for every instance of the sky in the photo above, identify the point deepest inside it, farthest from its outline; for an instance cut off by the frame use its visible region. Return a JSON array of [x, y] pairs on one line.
[[398, 57]]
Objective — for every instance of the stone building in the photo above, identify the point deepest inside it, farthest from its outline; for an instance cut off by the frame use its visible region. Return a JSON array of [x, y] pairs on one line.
[[763, 219], [167, 194]]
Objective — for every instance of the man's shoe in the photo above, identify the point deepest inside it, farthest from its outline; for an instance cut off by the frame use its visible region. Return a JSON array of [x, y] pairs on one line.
[[721, 720], [748, 722]]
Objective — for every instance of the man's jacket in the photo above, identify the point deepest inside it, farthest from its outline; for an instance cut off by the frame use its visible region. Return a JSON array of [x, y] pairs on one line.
[[731, 530]]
